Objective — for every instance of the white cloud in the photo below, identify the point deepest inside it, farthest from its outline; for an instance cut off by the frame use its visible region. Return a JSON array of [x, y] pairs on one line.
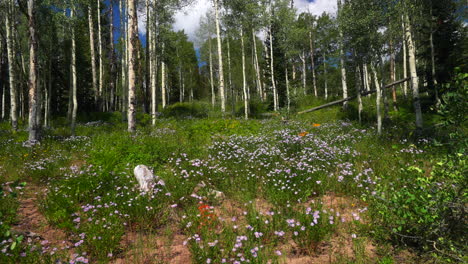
[[316, 7], [188, 18], [142, 20]]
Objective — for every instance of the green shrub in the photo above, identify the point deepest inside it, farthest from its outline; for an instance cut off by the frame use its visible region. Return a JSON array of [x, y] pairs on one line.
[[427, 212], [186, 110], [256, 108]]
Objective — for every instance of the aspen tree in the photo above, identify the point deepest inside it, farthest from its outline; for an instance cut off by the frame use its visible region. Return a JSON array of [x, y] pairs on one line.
[[404, 55], [244, 78], [413, 74], [378, 99], [213, 96], [220, 59], [304, 72], [132, 58], [314, 78], [112, 57], [342, 60], [257, 68], [93, 53], [33, 100], [11, 69], [100, 54], [74, 107]]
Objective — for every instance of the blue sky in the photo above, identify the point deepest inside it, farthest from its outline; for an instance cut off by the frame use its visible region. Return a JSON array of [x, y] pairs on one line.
[[189, 17]]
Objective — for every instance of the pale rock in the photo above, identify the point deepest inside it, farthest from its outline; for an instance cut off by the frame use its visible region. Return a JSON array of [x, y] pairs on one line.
[[145, 178]]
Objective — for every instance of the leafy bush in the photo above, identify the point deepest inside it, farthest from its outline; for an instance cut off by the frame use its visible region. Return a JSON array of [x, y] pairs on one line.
[[453, 110], [186, 110], [427, 211], [256, 108]]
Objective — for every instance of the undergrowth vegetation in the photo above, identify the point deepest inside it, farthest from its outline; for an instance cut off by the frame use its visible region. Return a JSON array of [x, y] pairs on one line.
[[257, 191]]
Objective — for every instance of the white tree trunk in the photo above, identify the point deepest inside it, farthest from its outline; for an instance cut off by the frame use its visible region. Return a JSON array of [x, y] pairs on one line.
[[325, 75], [414, 75], [231, 88], [11, 70], [304, 72], [405, 69], [48, 99], [343, 71], [74, 107], [359, 82], [101, 65], [112, 77], [367, 78], [272, 69], [132, 58], [213, 95], [378, 100], [287, 88], [220, 59], [163, 84], [257, 67], [314, 79], [244, 77], [152, 66], [93, 53], [33, 100]]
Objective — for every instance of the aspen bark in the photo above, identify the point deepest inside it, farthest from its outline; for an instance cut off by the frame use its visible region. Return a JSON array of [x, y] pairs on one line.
[[367, 78], [112, 58], [293, 71], [287, 88], [405, 69], [124, 53], [132, 58], [314, 79], [93, 53], [213, 96], [378, 100], [153, 64], [101, 65], [325, 75], [393, 75], [3, 101], [304, 72], [220, 59], [414, 75], [272, 68], [342, 61], [359, 90], [257, 67], [33, 102], [343, 71], [163, 84], [231, 88], [48, 99], [11, 70], [74, 107], [244, 77]]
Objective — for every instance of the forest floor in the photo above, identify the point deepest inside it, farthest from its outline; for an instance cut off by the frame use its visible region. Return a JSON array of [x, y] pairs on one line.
[[228, 191]]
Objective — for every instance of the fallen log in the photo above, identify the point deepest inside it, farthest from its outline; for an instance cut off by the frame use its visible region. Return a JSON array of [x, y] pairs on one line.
[[351, 97]]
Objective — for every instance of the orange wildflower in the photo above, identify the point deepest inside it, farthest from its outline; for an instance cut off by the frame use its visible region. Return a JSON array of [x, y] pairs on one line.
[[315, 125], [303, 134]]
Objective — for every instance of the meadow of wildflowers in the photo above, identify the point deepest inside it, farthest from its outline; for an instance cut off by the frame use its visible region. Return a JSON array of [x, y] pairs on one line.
[[295, 192]]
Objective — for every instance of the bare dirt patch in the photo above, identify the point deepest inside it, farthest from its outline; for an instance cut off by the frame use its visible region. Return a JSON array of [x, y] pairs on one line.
[[34, 226], [162, 246]]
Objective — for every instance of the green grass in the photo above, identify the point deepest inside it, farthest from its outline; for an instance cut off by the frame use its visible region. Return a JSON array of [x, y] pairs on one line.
[[277, 177]]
